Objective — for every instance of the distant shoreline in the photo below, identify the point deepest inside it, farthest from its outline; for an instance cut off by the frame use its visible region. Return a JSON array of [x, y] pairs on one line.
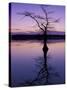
[[35, 37]]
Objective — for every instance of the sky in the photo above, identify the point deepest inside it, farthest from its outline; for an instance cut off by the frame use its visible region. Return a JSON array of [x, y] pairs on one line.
[[19, 23]]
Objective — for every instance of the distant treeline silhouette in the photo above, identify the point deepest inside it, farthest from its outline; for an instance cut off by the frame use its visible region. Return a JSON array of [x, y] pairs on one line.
[[34, 37]]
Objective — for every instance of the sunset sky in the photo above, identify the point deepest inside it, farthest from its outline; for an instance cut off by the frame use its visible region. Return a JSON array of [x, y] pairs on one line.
[[21, 24]]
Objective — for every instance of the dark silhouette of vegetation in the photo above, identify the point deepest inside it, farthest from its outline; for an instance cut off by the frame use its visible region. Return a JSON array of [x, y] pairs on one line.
[[36, 37], [44, 23]]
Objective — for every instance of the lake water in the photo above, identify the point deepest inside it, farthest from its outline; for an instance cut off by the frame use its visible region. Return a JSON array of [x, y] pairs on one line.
[[27, 66]]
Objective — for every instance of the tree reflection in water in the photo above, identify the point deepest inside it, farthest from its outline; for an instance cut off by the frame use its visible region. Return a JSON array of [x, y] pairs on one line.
[[44, 72]]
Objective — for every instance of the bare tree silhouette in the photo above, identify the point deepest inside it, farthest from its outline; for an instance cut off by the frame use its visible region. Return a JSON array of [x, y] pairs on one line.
[[43, 22], [47, 21]]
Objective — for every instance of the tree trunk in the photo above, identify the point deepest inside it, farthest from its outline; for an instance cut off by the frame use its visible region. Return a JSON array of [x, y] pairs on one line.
[[45, 48]]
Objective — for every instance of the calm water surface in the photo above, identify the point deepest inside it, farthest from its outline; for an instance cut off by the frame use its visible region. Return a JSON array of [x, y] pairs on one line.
[[27, 66]]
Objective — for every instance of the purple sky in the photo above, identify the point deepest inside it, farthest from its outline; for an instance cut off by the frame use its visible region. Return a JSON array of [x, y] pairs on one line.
[[20, 24]]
